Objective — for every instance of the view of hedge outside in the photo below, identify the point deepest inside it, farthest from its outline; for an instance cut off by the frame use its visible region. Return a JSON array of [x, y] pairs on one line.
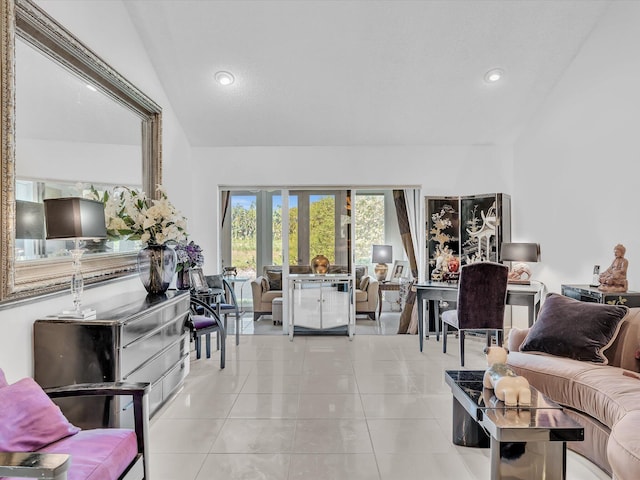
[[369, 229]]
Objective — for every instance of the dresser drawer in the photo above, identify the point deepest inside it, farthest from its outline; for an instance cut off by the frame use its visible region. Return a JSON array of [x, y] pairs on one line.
[[142, 349], [146, 324]]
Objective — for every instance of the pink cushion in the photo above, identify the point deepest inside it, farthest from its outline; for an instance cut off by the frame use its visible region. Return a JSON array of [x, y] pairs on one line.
[[3, 379], [29, 420], [98, 454]]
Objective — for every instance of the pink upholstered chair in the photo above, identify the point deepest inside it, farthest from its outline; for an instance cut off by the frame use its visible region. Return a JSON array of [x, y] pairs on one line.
[[37, 441]]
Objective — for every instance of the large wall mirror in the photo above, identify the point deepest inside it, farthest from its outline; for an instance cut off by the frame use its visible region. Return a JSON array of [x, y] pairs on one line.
[[70, 123]]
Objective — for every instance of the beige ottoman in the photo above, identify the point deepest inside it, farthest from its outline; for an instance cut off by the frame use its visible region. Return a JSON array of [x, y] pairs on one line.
[[276, 311]]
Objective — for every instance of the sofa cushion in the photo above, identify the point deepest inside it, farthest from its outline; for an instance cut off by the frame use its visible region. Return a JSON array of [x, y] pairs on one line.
[[364, 283], [623, 448], [361, 296], [570, 328], [3, 379], [606, 394], [264, 283], [275, 279], [29, 419], [600, 391], [361, 270], [98, 454], [267, 297]]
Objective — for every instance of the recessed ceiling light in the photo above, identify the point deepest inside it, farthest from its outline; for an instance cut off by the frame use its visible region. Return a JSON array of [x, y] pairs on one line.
[[224, 78], [494, 75]]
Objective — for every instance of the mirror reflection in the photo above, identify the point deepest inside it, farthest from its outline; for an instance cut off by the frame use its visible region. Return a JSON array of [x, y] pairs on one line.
[[70, 136], [31, 240]]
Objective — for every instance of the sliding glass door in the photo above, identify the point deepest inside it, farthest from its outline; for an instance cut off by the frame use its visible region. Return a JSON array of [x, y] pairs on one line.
[[318, 222]]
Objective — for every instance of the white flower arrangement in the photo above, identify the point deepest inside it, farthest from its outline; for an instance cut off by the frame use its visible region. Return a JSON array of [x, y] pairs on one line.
[[130, 215]]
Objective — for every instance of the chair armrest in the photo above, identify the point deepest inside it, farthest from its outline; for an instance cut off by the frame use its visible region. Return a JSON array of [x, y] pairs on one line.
[[99, 389], [46, 466], [257, 291], [257, 282]]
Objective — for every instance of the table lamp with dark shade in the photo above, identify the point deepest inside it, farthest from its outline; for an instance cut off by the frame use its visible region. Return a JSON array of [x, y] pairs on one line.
[[75, 218], [522, 253], [29, 220], [381, 255]]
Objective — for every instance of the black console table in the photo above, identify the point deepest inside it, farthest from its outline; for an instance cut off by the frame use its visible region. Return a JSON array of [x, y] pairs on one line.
[[587, 293], [133, 338]]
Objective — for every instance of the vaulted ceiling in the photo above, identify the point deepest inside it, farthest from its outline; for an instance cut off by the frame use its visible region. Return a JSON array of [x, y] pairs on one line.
[[360, 72]]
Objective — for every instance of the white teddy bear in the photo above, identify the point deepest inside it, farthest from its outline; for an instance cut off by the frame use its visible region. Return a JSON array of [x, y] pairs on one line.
[[507, 386]]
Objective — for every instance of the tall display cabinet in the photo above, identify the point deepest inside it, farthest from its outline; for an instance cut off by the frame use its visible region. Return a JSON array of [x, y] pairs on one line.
[[465, 229]]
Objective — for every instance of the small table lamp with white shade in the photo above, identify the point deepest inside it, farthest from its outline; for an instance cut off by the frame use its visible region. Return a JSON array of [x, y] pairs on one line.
[[75, 218]]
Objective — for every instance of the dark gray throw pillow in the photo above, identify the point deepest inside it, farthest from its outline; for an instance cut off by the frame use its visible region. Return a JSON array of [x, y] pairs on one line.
[[275, 279], [570, 328]]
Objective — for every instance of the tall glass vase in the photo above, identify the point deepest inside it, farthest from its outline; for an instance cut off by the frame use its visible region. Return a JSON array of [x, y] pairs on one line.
[[156, 266], [183, 282]]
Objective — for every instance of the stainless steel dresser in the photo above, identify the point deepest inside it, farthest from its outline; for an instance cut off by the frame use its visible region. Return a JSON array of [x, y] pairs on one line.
[[134, 338]]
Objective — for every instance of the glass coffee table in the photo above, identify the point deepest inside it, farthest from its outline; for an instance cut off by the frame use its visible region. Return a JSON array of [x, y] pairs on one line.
[[527, 443]]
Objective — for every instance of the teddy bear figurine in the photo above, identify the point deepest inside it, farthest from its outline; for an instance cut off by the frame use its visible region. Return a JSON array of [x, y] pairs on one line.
[[509, 387]]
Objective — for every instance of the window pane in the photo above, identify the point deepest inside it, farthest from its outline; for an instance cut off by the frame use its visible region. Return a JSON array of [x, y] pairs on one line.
[[243, 233], [369, 226], [322, 226]]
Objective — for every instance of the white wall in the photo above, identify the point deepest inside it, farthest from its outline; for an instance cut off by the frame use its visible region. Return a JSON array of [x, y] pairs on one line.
[[576, 174], [105, 27], [90, 163], [437, 170]]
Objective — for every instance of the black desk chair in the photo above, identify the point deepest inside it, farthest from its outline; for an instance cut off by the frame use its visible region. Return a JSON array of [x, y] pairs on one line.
[[482, 296], [204, 320], [227, 302]]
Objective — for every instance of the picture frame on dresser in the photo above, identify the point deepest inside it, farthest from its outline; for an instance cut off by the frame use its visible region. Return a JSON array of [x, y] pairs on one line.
[[198, 281], [400, 269]]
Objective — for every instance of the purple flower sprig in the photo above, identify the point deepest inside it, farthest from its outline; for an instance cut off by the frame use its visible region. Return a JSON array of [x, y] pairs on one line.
[[189, 256]]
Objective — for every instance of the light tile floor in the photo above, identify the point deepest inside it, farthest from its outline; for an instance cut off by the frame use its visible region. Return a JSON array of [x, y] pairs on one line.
[[373, 408]]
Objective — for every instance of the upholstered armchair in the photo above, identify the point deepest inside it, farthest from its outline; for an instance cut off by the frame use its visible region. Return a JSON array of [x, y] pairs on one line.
[[269, 286], [37, 440], [262, 297], [367, 296]]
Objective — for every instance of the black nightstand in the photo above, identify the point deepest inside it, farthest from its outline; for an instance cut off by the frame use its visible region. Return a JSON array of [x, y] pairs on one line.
[[587, 293]]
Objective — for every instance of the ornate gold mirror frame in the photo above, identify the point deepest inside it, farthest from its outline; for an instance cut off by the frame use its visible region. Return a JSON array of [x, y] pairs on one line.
[[37, 277]]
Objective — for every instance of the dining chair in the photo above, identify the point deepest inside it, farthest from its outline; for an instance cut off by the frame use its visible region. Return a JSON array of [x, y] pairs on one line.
[[227, 302], [204, 321], [480, 305]]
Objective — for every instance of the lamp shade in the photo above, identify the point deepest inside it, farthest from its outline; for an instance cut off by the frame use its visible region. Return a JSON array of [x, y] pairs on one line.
[[29, 220], [520, 252], [382, 254], [74, 217]]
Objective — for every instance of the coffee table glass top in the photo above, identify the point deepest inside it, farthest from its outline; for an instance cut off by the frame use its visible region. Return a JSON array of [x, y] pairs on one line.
[[508, 423], [469, 383]]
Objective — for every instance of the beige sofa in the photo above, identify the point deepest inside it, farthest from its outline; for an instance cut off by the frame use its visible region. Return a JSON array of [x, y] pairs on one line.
[[264, 293], [600, 397]]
